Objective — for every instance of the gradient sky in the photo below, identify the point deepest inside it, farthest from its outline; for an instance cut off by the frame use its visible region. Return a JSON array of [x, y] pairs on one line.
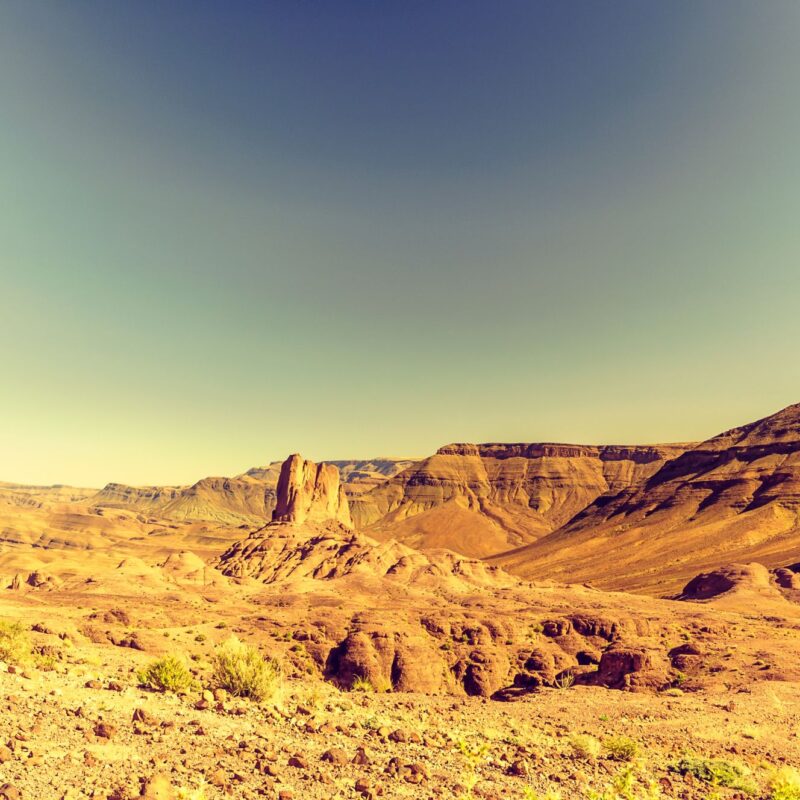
[[230, 231]]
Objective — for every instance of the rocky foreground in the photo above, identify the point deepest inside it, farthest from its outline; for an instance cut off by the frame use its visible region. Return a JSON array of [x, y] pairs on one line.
[[85, 730]]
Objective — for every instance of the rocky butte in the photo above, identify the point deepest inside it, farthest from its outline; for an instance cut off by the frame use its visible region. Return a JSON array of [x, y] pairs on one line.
[[309, 492]]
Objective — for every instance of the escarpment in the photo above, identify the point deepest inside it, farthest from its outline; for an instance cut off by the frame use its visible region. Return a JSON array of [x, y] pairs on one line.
[[483, 499]]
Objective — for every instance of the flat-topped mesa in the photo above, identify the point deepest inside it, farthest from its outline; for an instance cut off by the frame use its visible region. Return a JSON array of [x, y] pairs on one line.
[[309, 492], [639, 454]]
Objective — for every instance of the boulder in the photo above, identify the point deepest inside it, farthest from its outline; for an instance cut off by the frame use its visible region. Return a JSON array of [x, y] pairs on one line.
[[628, 667]]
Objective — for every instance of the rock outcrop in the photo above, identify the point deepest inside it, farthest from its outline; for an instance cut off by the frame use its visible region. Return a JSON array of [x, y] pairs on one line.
[[310, 537], [324, 552], [309, 492], [747, 588], [736, 577]]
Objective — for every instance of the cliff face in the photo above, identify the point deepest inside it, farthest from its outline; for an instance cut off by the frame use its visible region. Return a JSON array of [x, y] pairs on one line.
[[480, 499], [733, 497], [309, 492]]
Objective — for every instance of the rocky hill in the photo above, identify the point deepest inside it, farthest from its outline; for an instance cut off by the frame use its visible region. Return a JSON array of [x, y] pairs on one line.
[[484, 499], [734, 497], [311, 536]]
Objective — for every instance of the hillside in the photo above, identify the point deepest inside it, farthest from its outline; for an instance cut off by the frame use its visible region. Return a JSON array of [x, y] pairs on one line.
[[734, 497], [484, 499]]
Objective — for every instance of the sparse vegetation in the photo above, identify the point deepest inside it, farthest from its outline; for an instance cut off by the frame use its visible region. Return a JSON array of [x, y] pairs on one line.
[[241, 670], [621, 748], [361, 684], [168, 674], [15, 644], [785, 784], [565, 680], [679, 678], [626, 785], [474, 755], [198, 793], [585, 745], [529, 793], [717, 772]]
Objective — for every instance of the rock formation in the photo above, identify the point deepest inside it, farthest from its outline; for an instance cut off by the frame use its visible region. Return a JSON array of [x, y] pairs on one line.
[[324, 552], [310, 537], [309, 492], [747, 588]]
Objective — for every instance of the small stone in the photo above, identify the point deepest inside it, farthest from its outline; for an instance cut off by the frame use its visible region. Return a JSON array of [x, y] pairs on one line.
[[299, 761], [158, 787], [402, 736], [144, 716], [105, 730], [335, 756], [518, 767], [217, 778]]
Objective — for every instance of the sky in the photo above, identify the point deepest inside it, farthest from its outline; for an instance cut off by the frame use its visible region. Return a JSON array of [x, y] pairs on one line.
[[232, 231]]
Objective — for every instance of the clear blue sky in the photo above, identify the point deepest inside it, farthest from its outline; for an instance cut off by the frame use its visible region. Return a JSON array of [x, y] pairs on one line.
[[229, 231]]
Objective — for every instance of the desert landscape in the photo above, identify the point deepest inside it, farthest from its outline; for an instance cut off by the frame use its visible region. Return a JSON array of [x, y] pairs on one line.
[[494, 620], [399, 399]]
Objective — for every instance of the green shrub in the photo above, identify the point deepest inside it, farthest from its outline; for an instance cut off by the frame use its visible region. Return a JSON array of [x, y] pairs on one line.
[[565, 680], [168, 674], [361, 684], [585, 746], [626, 785], [716, 772], [15, 644], [785, 784], [244, 672], [474, 755], [621, 748]]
